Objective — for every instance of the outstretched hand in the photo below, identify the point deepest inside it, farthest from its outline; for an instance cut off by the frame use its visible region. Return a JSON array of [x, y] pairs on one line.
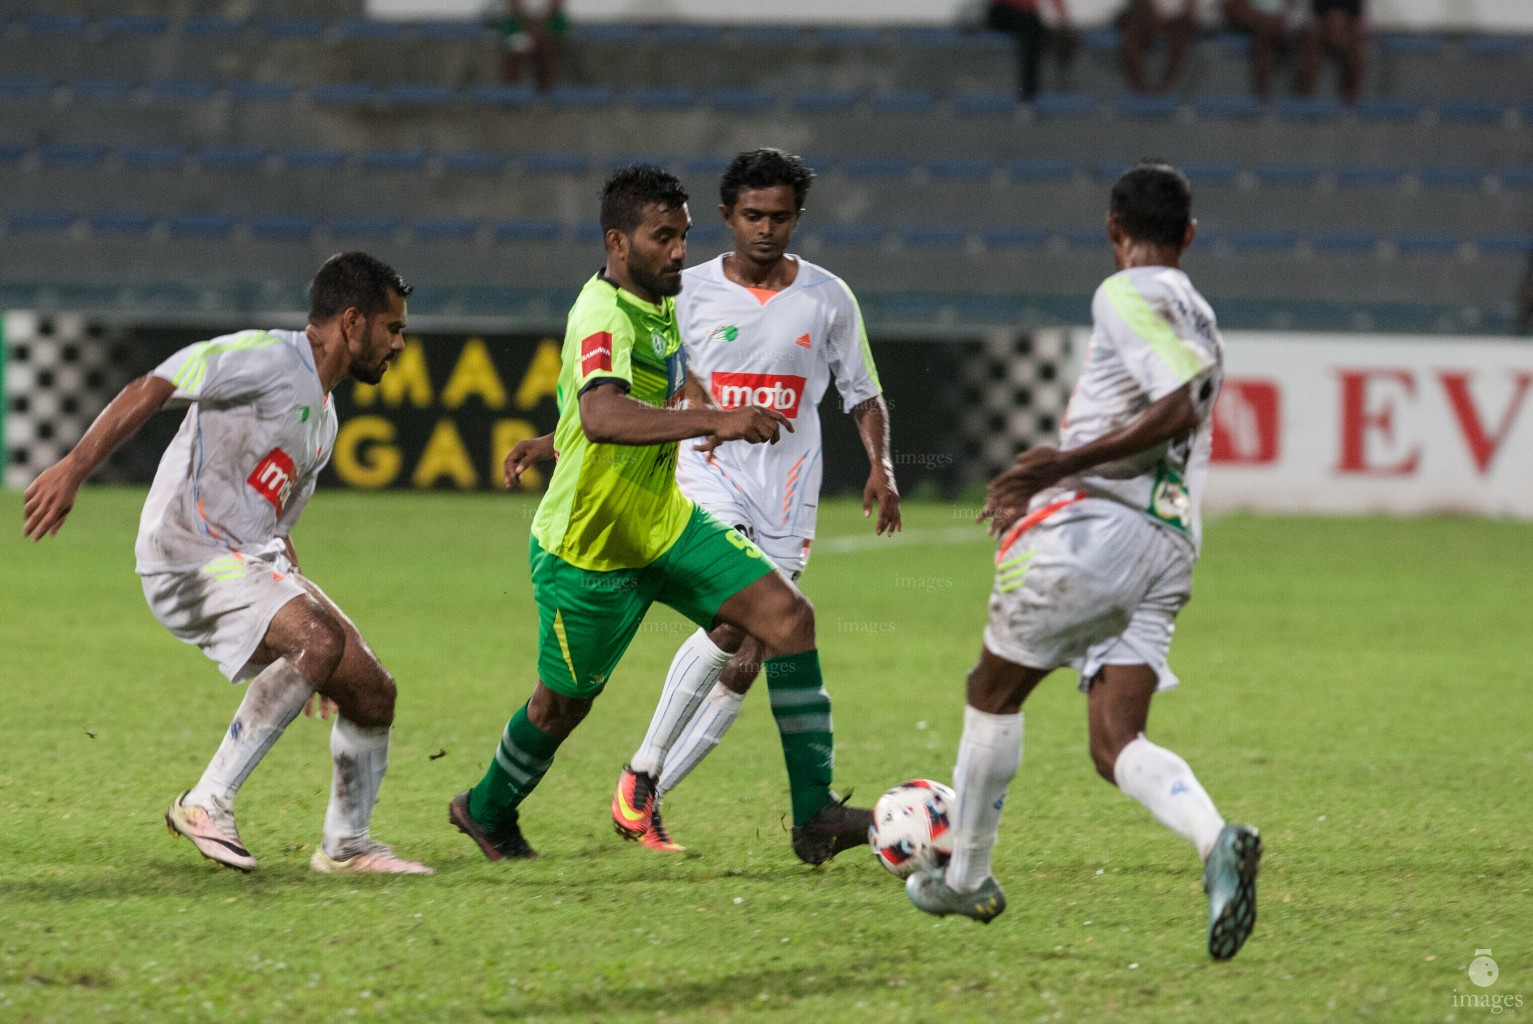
[[1007, 495], [754, 423], [525, 453], [48, 501]]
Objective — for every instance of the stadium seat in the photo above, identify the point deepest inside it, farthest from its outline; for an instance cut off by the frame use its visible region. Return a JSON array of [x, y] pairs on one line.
[[1262, 241], [1040, 170], [162, 157], [621, 160], [1226, 107], [556, 163], [421, 94], [1506, 243], [903, 102], [135, 224], [1304, 175], [924, 37], [501, 95], [211, 26], [343, 93], [39, 221], [1410, 44], [55, 24], [848, 36], [1064, 104], [444, 229], [1516, 178], [588, 232], [101, 90], [876, 167], [979, 104], [581, 97], [946, 237], [289, 227], [450, 30], [261, 92], [295, 28], [742, 101], [686, 33], [526, 229], [960, 170], [1014, 238], [370, 28], [706, 166], [231, 158], [294, 159], [473, 162], [179, 91], [822, 101], [1304, 108], [1426, 242], [1495, 46], [1369, 176], [199, 225], [1471, 111], [851, 235], [12, 153], [1396, 110], [612, 34], [375, 227], [399, 161], [1145, 106], [71, 155], [751, 36], [652, 98], [1451, 177], [1345, 242], [25, 88], [135, 25], [1214, 173]]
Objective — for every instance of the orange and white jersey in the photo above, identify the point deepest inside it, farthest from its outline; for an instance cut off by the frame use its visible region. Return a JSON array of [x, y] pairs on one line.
[[780, 350], [258, 430]]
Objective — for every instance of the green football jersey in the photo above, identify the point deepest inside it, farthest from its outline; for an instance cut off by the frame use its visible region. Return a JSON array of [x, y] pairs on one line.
[[614, 506]]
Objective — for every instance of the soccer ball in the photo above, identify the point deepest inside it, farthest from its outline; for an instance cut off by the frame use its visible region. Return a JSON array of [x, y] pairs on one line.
[[911, 830]]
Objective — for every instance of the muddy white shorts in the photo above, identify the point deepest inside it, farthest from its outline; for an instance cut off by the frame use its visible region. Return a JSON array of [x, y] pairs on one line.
[[1093, 583], [224, 606]]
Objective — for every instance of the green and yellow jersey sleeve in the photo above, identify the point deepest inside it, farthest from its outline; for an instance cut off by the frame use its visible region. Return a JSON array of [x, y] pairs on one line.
[[613, 506]]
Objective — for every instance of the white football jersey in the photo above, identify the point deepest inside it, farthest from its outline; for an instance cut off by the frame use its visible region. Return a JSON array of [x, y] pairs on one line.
[[244, 463], [1152, 334], [779, 350]]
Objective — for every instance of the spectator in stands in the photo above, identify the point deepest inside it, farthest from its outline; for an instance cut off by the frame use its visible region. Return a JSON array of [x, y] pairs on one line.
[[1276, 27], [1337, 31], [1023, 19], [534, 28], [1145, 22]]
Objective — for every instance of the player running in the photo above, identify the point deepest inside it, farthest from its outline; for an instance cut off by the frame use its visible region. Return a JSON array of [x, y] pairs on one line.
[[765, 327], [219, 568], [614, 533], [1096, 570]]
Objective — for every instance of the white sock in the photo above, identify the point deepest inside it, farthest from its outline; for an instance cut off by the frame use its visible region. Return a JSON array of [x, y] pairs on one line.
[[361, 757], [714, 716], [989, 755], [1164, 783], [272, 700], [697, 666]]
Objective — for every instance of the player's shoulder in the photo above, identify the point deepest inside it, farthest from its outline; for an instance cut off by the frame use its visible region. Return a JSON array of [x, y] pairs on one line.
[[597, 308], [704, 274], [812, 275]]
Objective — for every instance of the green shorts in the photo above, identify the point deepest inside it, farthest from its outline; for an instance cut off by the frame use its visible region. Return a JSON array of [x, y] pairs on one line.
[[586, 619]]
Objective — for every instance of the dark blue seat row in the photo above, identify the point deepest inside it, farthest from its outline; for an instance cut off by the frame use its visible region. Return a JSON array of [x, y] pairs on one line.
[[287, 226], [947, 169]]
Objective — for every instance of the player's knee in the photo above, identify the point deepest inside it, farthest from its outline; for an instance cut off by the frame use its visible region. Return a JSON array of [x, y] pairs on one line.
[[383, 696], [726, 637], [320, 647]]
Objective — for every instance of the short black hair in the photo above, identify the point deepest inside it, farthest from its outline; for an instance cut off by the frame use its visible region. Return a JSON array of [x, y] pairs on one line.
[[765, 168], [1153, 203], [350, 279], [631, 189]]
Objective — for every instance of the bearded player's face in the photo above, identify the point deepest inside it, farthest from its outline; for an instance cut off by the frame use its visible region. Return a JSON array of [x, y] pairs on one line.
[[657, 250]]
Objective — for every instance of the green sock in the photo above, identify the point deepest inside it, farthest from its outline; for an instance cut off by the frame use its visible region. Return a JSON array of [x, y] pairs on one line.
[[802, 709], [521, 760]]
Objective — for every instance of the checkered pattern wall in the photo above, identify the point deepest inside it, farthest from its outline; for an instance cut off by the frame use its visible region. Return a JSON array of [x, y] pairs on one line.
[[59, 371], [1016, 387]]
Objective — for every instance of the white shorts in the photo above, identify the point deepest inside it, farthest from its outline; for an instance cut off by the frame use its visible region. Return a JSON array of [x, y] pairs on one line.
[[224, 607], [791, 553], [1094, 584]]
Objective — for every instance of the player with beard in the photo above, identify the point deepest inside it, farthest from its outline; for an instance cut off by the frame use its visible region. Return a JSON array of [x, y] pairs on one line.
[[759, 325], [614, 533], [218, 566]]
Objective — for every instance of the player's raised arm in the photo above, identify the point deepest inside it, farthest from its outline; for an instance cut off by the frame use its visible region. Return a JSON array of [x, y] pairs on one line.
[[47, 502], [1037, 468], [872, 419]]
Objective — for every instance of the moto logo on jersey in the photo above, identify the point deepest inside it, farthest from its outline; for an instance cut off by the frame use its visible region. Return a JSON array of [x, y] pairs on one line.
[[596, 353], [273, 478], [782, 392]]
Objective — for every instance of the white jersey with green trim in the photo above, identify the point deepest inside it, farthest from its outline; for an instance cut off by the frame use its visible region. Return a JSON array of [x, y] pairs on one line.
[[780, 350], [1152, 334], [258, 430]]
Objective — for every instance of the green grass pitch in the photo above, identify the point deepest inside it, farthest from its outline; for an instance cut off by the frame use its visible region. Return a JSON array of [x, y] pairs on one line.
[[1358, 688]]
